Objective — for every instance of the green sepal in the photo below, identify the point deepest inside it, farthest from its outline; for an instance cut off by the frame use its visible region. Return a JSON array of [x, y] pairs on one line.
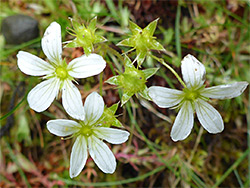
[[99, 39], [141, 54], [126, 42], [72, 44], [88, 49], [92, 24], [127, 63], [114, 107], [126, 96], [156, 46], [144, 93], [150, 29], [108, 117], [77, 26], [113, 80], [134, 28], [149, 72]]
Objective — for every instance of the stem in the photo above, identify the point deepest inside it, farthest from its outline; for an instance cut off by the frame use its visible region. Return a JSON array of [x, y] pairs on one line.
[[234, 166], [101, 83], [170, 68], [177, 31]]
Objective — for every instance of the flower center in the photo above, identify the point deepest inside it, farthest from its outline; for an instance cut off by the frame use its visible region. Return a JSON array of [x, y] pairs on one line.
[[86, 130], [191, 95], [61, 73]]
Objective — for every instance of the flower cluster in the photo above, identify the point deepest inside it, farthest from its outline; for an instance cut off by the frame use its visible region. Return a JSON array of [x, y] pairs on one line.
[[93, 121], [89, 134], [93, 125], [194, 97]]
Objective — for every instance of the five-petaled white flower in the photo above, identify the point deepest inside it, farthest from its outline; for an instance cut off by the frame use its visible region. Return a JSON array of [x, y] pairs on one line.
[[58, 73], [89, 135], [193, 98]]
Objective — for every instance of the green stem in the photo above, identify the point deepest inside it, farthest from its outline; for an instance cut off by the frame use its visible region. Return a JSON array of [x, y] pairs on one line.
[[234, 166], [105, 184], [170, 68], [177, 31], [101, 83], [15, 160]]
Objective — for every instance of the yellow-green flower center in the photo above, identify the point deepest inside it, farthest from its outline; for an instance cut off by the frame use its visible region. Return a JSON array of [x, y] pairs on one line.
[[86, 130], [61, 73], [191, 95]]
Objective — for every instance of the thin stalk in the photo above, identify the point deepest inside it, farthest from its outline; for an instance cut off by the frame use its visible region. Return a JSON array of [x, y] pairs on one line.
[[234, 166], [101, 83], [14, 159], [177, 31], [238, 178], [105, 184], [170, 68]]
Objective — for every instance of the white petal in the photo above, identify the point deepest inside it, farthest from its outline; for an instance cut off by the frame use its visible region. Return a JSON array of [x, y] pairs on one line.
[[102, 155], [183, 123], [33, 65], [209, 117], [225, 91], [111, 135], [41, 96], [72, 100], [164, 97], [78, 157], [52, 43], [86, 66], [193, 71], [62, 127], [93, 106]]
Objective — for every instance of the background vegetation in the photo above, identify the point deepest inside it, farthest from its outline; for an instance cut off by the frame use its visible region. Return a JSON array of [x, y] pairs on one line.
[[216, 32]]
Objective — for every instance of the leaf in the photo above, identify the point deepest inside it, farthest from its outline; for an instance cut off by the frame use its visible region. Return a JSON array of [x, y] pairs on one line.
[[126, 42], [141, 54], [127, 62], [92, 24], [134, 28], [156, 46], [99, 39], [126, 96], [150, 29], [144, 94], [149, 72], [113, 80], [72, 44], [114, 107]]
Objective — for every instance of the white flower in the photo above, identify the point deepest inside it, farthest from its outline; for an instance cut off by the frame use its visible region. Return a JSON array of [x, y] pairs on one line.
[[193, 98], [58, 73], [89, 135]]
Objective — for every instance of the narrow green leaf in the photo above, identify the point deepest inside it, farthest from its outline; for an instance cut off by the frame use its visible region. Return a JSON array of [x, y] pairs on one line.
[[156, 46], [99, 39], [125, 42], [177, 31], [113, 80], [144, 94], [92, 24], [114, 107], [134, 28], [127, 62], [149, 72], [72, 44], [14, 109], [151, 27], [141, 54], [126, 96]]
